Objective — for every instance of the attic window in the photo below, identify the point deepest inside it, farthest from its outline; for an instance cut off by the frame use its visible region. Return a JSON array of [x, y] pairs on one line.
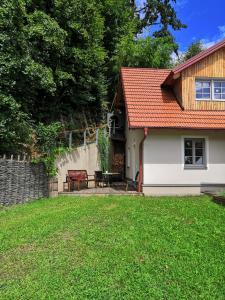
[[203, 89], [212, 89], [219, 89]]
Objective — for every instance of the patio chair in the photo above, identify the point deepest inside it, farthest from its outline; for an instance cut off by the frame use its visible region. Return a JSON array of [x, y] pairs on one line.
[[78, 177], [99, 178], [133, 183]]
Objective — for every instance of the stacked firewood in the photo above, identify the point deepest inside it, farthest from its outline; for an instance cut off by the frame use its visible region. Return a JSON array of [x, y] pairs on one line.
[[118, 163]]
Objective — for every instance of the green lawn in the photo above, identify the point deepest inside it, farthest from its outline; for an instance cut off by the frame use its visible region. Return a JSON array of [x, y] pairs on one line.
[[113, 248]]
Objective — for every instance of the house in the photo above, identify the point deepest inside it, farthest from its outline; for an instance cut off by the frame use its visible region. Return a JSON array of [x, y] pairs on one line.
[[174, 129]]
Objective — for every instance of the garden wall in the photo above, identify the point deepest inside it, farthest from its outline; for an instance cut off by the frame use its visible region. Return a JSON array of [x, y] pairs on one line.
[[21, 181], [81, 158]]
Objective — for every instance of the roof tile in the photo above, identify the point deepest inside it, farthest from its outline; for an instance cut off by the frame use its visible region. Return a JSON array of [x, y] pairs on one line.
[[149, 105]]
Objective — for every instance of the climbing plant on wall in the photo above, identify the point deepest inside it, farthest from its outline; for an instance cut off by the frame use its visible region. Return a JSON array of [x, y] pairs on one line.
[[103, 149]]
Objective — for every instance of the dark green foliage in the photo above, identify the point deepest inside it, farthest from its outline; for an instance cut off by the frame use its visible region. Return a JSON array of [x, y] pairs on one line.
[[56, 56], [103, 149], [148, 52], [59, 57], [46, 136], [113, 248], [193, 49], [47, 145], [15, 127]]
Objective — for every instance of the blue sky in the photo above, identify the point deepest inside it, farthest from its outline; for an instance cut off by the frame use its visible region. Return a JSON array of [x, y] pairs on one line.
[[205, 20]]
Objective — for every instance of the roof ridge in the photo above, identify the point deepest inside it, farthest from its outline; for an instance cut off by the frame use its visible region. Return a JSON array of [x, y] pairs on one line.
[[146, 68], [199, 56]]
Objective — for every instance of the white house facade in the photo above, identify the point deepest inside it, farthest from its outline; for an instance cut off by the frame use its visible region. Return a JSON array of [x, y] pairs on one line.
[[175, 125]]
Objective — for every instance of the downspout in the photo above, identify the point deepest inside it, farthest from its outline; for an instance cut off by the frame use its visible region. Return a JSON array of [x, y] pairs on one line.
[[141, 159]]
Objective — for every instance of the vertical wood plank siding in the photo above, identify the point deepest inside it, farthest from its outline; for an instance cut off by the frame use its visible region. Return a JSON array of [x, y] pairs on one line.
[[212, 66]]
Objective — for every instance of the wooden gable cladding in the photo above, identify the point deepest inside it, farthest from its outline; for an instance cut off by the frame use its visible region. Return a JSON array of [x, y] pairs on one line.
[[178, 90], [212, 66]]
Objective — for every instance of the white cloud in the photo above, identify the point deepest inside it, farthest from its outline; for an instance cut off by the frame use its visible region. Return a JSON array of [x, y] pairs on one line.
[[181, 3], [210, 42], [175, 59], [222, 30]]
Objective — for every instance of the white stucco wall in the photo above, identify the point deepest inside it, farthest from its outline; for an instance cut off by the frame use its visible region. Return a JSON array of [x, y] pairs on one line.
[[133, 139], [81, 158], [164, 158]]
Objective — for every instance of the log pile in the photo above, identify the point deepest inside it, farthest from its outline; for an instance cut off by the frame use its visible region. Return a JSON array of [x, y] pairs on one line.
[[118, 163]]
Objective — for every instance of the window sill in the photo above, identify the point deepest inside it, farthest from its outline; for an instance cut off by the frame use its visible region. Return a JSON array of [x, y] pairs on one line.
[[195, 168], [211, 100]]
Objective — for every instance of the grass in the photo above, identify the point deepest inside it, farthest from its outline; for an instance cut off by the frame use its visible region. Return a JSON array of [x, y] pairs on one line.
[[221, 193], [113, 248]]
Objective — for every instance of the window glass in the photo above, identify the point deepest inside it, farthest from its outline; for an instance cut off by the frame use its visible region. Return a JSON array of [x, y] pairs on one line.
[[194, 152], [199, 160], [203, 89], [210, 89], [219, 89]]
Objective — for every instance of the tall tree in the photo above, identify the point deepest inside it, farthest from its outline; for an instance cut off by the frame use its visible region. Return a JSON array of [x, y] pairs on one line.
[[149, 52], [193, 49], [52, 55], [61, 57], [159, 13], [125, 21]]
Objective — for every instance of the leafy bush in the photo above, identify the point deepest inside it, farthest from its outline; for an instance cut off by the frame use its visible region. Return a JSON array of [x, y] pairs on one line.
[[103, 148], [47, 146], [15, 127]]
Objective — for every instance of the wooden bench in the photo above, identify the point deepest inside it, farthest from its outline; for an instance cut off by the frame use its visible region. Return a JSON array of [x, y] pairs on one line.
[[77, 177]]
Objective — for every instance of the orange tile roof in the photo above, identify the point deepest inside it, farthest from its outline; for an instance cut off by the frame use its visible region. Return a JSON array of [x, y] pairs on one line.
[[149, 105]]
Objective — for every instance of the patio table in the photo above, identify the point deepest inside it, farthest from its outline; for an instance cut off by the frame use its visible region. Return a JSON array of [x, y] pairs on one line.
[[109, 175]]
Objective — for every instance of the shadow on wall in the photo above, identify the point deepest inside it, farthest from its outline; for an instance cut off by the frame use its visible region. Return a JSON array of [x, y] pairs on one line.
[[81, 158], [66, 159]]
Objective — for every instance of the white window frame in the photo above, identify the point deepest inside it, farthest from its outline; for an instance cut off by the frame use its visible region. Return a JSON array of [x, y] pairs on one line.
[[206, 165], [212, 93]]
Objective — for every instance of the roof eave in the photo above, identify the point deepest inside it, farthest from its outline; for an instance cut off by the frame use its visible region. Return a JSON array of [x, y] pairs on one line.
[[199, 57], [175, 127]]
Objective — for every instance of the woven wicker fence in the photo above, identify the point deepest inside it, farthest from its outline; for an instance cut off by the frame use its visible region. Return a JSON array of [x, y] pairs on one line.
[[21, 181]]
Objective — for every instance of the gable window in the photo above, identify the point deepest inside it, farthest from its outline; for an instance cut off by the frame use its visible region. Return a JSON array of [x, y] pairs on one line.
[[194, 153], [213, 89], [203, 89], [219, 89]]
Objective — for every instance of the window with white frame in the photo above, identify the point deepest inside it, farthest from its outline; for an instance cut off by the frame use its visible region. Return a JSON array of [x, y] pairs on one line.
[[219, 89], [213, 89], [194, 153], [203, 89]]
